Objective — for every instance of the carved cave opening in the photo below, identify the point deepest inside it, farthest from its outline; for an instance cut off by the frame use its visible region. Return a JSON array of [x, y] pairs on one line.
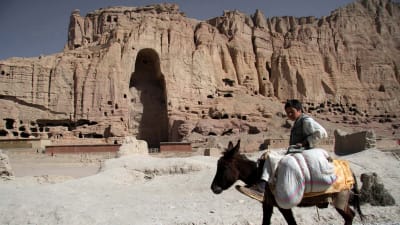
[[148, 85], [9, 123], [3, 133]]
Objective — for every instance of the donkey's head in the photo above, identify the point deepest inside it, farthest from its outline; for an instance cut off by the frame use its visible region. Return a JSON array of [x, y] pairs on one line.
[[227, 173], [232, 166]]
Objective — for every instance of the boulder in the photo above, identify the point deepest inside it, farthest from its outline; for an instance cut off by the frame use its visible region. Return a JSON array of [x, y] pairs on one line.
[[5, 166], [374, 192], [355, 142], [131, 145], [212, 152]]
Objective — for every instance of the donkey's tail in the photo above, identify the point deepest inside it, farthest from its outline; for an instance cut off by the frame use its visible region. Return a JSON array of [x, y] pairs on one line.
[[356, 198]]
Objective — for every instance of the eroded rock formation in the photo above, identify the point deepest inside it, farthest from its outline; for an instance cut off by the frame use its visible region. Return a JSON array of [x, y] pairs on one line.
[[153, 73], [373, 191], [5, 167]]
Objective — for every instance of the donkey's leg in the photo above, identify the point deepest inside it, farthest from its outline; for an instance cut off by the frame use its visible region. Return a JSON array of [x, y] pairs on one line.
[[267, 213], [341, 203], [347, 214], [288, 215]]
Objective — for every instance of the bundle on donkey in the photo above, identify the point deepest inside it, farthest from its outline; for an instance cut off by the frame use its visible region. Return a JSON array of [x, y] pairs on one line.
[[233, 166]]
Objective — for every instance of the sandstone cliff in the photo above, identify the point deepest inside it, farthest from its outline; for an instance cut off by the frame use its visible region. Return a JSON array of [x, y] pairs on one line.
[[156, 74]]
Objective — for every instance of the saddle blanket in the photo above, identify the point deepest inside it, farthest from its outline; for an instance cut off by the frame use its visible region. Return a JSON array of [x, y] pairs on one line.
[[345, 179]]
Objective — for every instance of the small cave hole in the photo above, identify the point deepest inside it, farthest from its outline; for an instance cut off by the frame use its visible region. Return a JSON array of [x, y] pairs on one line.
[[254, 130], [212, 133], [3, 133], [228, 95], [228, 82], [9, 123], [24, 135]]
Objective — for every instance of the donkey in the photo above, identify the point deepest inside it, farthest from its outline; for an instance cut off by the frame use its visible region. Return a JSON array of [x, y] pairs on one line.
[[233, 166]]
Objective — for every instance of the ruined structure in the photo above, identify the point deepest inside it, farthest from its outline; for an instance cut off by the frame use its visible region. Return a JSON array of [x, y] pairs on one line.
[[346, 144], [5, 166], [153, 73]]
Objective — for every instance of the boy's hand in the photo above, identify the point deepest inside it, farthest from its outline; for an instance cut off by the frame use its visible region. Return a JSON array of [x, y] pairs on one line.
[[299, 145]]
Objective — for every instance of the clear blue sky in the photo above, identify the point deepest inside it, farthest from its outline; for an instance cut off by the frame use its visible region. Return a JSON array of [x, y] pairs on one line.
[[31, 28]]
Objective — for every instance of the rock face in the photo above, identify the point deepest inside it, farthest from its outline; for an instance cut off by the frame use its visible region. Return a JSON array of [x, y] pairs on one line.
[[155, 74]]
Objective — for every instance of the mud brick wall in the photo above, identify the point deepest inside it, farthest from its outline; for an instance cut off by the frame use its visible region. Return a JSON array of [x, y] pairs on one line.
[[175, 147], [81, 148]]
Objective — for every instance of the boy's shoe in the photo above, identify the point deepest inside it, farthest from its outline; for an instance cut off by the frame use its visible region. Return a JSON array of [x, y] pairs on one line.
[[256, 191]]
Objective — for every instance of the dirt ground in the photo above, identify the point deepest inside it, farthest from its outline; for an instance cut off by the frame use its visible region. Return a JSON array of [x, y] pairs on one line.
[[30, 163], [154, 190]]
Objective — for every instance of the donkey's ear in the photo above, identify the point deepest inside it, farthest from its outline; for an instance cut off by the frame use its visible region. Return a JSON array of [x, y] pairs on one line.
[[235, 150], [230, 145], [238, 145], [232, 150]]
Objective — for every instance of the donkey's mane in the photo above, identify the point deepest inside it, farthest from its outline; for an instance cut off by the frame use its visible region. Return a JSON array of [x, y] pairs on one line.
[[228, 154], [244, 157]]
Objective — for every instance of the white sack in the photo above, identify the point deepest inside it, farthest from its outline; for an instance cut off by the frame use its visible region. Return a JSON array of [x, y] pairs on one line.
[[300, 173]]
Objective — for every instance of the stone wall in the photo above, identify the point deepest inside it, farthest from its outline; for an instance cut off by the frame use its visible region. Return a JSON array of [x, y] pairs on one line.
[[175, 147], [355, 142], [61, 149]]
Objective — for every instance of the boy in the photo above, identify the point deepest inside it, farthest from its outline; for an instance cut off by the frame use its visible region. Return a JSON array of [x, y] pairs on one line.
[[306, 132]]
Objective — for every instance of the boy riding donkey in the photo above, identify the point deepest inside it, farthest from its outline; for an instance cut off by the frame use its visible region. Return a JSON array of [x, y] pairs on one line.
[[304, 176], [305, 134]]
